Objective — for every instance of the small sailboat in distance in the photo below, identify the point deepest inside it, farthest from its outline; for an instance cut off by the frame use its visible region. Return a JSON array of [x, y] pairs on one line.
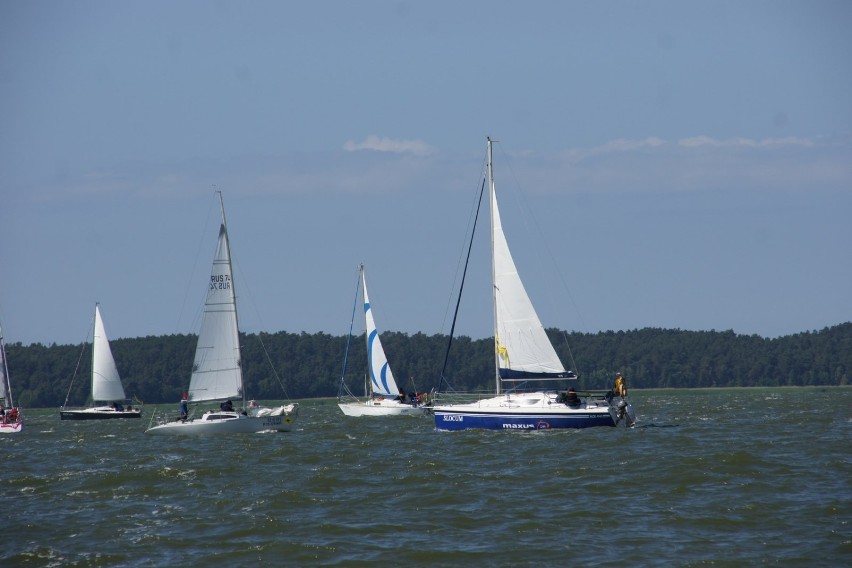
[[217, 374], [11, 420], [106, 383], [384, 397]]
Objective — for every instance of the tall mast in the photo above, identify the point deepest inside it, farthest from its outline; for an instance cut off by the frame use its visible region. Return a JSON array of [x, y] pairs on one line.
[[491, 196], [368, 379], [4, 374]]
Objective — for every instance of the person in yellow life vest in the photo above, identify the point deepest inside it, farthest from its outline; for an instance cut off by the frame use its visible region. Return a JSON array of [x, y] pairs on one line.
[[620, 388]]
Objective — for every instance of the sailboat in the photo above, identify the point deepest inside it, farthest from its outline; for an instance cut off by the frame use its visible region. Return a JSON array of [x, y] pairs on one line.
[[106, 383], [384, 397], [11, 421], [523, 353], [217, 374]]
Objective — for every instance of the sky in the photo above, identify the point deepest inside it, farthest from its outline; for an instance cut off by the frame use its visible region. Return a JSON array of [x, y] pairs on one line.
[[673, 164]]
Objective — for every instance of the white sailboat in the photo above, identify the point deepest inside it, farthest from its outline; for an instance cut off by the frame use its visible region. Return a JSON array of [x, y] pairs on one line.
[[523, 353], [384, 397], [217, 373], [106, 383], [11, 419]]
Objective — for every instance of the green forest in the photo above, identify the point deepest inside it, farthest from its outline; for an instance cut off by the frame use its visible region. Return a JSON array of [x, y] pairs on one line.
[[293, 366]]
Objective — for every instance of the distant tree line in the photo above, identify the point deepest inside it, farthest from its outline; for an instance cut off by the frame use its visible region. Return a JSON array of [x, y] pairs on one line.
[[157, 369]]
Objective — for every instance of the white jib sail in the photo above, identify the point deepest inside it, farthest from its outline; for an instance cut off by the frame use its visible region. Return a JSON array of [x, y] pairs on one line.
[[522, 343], [216, 373], [106, 383], [381, 376]]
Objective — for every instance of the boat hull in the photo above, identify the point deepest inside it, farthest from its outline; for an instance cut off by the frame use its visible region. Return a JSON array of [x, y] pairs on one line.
[[455, 420], [381, 408], [11, 427], [98, 414], [530, 411], [216, 422]]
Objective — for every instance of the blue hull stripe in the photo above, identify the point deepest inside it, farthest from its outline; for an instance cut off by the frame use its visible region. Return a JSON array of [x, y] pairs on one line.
[[543, 421]]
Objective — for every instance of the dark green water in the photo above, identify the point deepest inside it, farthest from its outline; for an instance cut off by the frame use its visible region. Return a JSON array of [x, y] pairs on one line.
[[721, 478]]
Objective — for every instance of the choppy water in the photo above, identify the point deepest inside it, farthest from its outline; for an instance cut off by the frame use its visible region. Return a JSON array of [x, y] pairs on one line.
[[722, 478]]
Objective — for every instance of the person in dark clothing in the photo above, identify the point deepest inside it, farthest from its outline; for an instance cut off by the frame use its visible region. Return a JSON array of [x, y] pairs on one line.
[[227, 406], [572, 399]]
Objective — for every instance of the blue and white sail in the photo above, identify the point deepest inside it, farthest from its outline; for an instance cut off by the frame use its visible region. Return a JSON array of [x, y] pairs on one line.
[[522, 347], [381, 376]]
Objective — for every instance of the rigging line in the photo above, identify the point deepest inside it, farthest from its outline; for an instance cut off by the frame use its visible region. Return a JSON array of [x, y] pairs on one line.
[[468, 230], [443, 379], [80, 358], [349, 339], [244, 286], [202, 239], [272, 366], [238, 272]]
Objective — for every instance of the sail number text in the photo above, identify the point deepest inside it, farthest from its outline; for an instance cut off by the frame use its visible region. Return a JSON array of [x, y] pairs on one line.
[[220, 282]]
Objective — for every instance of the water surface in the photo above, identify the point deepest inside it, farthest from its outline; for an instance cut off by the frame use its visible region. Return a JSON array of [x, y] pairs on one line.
[[708, 477]]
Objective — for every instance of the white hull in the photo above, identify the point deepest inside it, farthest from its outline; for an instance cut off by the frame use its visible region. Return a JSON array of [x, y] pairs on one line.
[[376, 407], [12, 427], [529, 403], [279, 419], [526, 411]]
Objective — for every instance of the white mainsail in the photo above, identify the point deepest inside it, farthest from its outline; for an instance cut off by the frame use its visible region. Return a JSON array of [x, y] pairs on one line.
[[106, 382], [522, 346], [216, 373], [381, 376]]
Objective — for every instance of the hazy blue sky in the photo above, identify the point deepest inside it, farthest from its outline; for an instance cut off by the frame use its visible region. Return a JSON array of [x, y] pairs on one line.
[[680, 164]]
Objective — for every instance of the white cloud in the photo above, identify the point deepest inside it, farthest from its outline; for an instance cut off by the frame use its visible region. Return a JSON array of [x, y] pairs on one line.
[[701, 162], [697, 141], [623, 145], [385, 144]]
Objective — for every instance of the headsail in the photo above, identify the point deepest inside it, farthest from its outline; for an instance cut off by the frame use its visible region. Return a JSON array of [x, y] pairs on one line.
[[216, 373], [106, 382], [523, 349], [381, 376]]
